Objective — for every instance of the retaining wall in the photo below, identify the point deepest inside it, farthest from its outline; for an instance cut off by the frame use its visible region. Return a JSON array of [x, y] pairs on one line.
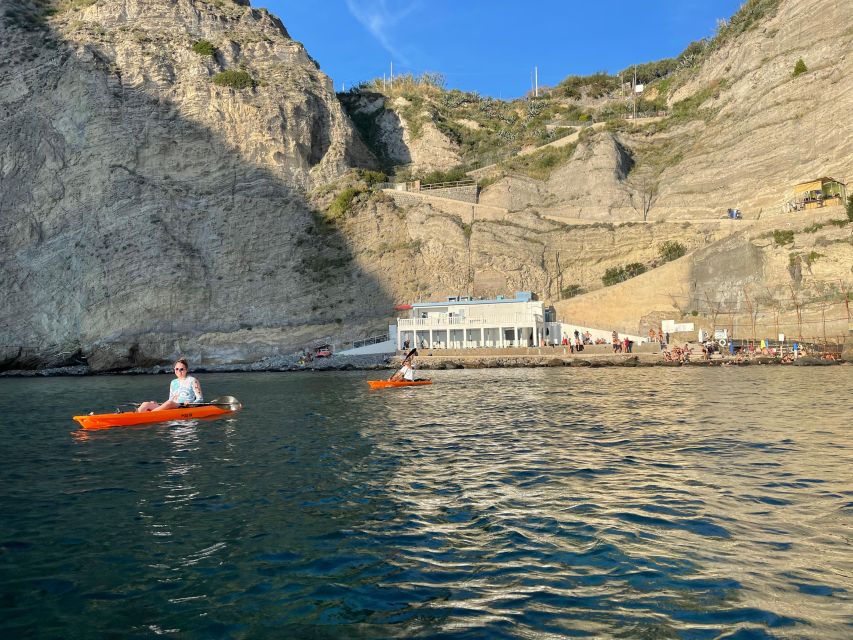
[[466, 193], [466, 211]]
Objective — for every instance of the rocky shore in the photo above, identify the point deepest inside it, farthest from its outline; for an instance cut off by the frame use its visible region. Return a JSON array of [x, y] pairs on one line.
[[437, 363]]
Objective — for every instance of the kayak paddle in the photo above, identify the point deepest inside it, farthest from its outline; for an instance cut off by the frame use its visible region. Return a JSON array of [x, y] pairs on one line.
[[224, 402]]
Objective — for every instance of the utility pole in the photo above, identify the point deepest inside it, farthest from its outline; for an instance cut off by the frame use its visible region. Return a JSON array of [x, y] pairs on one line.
[[536, 82], [634, 92], [392, 74]]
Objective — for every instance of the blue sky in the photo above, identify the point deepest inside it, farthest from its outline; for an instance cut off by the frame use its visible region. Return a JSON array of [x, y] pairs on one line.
[[492, 46]]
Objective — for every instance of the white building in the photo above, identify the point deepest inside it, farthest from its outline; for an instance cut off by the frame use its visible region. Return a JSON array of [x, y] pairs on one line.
[[466, 323]]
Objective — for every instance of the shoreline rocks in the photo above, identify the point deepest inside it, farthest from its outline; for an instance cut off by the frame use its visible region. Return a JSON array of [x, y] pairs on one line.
[[430, 363]]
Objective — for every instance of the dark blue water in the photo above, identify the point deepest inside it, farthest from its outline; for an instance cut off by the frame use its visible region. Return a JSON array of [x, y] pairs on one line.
[[644, 503]]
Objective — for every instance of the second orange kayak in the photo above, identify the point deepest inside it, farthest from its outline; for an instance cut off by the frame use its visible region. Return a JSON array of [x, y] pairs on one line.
[[383, 384]]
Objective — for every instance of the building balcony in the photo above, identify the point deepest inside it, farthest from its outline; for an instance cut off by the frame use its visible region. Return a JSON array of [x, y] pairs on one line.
[[461, 322]]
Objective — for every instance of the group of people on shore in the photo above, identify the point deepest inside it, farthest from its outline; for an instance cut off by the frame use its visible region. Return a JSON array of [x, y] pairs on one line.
[[679, 354], [625, 345], [577, 344], [659, 336]]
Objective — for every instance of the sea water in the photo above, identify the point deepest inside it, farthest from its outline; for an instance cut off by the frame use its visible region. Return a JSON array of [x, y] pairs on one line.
[[524, 503]]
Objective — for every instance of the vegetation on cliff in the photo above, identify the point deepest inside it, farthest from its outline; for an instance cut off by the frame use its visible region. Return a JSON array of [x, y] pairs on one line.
[[236, 79], [204, 48], [485, 129]]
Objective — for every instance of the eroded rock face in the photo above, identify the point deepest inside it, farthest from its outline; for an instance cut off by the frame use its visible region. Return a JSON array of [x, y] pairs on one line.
[[594, 183], [401, 135], [144, 205]]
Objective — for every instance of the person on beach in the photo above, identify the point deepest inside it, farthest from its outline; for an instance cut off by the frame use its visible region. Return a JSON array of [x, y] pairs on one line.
[[184, 390]]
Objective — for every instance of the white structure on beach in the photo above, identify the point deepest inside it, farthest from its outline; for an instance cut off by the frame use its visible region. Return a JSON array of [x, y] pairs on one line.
[[468, 323]]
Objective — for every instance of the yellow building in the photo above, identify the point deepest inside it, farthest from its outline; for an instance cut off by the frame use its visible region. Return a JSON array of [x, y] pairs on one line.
[[821, 192]]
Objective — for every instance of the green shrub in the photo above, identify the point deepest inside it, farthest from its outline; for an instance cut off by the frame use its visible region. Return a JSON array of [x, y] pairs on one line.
[[813, 256], [488, 181], [782, 238], [596, 85], [204, 48], [850, 208], [234, 79], [372, 178], [452, 175], [750, 14], [799, 68], [343, 202], [615, 275], [540, 164], [671, 250], [572, 290], [634, 269]]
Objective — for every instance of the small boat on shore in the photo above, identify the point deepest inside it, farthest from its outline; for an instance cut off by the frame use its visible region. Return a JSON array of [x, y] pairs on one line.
[[217, 408], [384, 384]]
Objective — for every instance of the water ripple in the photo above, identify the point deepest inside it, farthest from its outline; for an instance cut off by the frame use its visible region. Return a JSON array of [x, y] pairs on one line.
[[665, 503]]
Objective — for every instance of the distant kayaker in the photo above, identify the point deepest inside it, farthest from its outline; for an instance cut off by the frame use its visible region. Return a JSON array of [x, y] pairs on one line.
[[184, 389], [407, 371]]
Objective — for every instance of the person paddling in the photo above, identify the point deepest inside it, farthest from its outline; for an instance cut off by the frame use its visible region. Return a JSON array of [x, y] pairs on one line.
[[184, 390], [407, 370]]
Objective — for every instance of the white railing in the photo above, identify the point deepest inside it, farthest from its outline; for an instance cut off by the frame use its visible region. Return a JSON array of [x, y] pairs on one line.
[[436, 322]]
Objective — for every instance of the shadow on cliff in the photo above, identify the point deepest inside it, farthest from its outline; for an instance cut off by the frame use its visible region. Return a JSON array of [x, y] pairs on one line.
[[161, 238], [380, 128]]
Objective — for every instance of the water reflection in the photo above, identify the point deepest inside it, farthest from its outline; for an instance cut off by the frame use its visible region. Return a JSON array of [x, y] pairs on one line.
[[620, 497], [527, 503]]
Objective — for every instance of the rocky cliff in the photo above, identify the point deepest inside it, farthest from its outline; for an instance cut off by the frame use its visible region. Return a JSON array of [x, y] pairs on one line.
[[154, 160]]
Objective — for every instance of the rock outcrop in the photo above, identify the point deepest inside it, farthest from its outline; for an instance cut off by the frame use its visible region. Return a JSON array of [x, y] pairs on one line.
[[402, 134]]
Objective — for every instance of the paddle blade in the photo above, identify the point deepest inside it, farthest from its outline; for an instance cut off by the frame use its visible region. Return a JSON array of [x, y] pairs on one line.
[[226, 402]]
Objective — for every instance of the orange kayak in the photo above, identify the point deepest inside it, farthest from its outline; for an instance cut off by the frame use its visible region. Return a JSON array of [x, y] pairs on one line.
[[131, 418], [383, 384]]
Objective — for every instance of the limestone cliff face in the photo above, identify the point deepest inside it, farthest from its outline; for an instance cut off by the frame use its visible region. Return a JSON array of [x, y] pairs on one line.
[[144, 205], [766, 130], [427, 254]]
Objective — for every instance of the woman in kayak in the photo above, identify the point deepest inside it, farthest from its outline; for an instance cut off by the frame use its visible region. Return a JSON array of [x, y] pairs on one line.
[[184, 390]]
